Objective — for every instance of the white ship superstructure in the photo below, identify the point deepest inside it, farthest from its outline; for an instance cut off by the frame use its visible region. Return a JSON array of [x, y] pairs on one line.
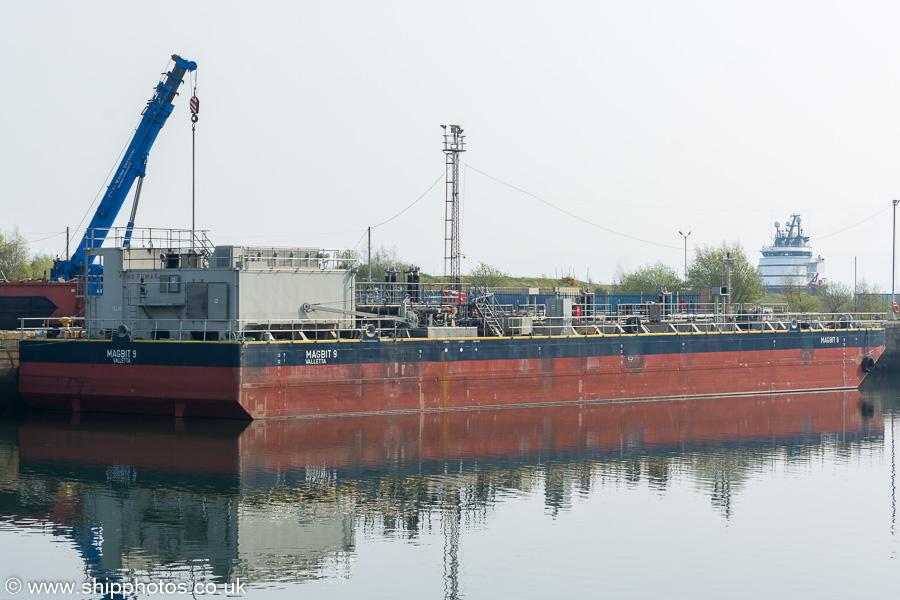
[[789, 260]]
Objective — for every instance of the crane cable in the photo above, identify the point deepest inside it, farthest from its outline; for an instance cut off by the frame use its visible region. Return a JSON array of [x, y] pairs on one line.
[[195, 111]]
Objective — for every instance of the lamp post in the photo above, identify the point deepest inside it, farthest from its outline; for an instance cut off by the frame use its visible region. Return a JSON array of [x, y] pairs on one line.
[[893, 316], [685, 236]]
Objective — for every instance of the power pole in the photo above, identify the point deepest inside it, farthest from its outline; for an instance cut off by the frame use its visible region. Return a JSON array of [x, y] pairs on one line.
[[685, 236], [727, 260]]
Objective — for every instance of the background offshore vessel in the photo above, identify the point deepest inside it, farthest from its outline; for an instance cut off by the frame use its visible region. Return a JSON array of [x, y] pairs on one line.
[[789, 261]]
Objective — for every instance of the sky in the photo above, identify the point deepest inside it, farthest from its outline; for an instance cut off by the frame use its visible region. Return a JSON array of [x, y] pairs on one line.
[[595, 130]]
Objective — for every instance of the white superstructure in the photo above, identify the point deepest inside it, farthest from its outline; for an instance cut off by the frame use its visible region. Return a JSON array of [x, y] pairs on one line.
[[789, 259]]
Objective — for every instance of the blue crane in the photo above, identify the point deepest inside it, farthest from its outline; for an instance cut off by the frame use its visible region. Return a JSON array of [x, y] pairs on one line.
[[133, 166]]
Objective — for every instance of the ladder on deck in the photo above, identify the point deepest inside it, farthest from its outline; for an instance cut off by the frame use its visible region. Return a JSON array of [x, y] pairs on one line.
[[203, 244], [490, 310]]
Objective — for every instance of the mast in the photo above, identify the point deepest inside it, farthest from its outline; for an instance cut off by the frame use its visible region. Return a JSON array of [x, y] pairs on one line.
[[454, 143]]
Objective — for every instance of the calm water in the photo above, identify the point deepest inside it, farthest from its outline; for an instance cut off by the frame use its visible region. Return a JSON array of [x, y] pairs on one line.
[[766, 497]]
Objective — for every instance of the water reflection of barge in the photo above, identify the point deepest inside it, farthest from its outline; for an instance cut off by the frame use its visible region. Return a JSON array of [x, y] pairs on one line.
[[275, 499], [222, 452]]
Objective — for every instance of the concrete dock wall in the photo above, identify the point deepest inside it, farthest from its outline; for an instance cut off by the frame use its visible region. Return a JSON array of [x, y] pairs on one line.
[[9, 372], [891, 357]]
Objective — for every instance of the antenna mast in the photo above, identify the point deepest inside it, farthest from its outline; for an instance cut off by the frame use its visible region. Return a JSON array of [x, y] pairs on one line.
[[454, 143]]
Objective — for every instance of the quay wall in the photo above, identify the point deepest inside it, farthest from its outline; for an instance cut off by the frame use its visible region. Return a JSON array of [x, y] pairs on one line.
[[890, 360], [10, 399]]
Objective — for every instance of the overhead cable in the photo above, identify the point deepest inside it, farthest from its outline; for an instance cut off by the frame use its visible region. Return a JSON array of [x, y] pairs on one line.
[[574, 216]]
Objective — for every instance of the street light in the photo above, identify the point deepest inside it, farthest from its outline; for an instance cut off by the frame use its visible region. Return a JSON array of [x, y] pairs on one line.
[[728, 262], [685, 236]]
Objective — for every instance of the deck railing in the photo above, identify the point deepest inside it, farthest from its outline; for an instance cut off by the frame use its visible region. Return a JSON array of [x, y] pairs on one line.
[[533, 323]]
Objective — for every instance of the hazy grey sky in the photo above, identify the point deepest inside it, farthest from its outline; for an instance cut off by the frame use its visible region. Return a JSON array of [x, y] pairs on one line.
[[319, 119]]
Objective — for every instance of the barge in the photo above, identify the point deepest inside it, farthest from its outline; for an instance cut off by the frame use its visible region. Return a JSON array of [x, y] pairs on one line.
[[178, 327]]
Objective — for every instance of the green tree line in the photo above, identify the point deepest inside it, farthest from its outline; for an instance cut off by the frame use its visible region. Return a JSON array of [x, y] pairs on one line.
[[17, 262], [707, 271]]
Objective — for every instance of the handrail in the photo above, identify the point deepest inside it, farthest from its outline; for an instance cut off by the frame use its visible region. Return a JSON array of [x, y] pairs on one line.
[[148, 237], [375, 326]]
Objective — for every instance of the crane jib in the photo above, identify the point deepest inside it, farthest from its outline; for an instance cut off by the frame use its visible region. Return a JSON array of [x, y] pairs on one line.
[[132, 166]]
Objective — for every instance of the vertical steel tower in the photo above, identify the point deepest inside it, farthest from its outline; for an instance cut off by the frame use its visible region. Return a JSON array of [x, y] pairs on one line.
[[454, 143]]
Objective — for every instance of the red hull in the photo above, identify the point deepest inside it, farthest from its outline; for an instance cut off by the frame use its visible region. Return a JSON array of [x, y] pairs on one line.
[[248, 392], [144, 389]]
